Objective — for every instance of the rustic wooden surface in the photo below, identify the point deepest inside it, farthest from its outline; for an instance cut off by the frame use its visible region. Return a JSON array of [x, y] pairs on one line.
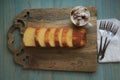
[[11, 71], [66, 59]]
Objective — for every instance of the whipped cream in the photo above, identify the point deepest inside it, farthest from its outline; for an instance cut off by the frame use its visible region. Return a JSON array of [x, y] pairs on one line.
[[80, 16]]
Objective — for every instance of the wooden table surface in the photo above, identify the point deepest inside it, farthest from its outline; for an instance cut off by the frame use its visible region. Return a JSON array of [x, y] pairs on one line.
[[9, 70]]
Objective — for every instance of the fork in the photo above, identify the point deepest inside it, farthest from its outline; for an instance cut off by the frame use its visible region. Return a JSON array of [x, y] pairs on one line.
[[109, 30], [102, 31]]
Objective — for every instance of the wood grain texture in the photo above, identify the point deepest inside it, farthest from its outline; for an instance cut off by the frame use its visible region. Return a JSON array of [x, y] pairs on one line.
[[11, 71], [82, 58]]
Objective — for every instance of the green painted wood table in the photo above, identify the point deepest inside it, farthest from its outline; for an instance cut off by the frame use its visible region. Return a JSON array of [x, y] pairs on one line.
[[9, 70]]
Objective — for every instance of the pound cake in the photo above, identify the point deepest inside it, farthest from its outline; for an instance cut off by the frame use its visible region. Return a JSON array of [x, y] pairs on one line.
[[67, 37], [40, 37], [28, 37], [58, 37], [54, 37]]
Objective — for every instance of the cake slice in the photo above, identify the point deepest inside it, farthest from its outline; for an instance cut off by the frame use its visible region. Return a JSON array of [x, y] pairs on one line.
[[64, 36], [49, 37], [28, 37], [67, 37], [39, 36], [58, 37]]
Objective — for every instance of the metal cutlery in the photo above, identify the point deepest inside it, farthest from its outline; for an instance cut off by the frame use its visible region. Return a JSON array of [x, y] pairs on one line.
[[107, 31]]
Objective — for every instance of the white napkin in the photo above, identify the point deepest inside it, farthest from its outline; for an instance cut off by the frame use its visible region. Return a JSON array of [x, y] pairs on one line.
[[112, 53]]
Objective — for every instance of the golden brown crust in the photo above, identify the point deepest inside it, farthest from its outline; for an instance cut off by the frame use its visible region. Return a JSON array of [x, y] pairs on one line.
[[83, 37], [64, 37], [57, 43], [46, 37], [36, 38], [76, 38], [39, 36], [79, 37], [49, 37]]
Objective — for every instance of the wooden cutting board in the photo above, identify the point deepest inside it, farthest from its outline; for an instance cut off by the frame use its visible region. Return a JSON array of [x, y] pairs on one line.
[[66, 59]]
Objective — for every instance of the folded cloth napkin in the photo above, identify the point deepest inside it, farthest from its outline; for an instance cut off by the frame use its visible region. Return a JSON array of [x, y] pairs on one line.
[[112, 53]]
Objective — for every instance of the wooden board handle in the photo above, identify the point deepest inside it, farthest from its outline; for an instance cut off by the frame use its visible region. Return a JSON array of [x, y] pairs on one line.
[[11, 38]]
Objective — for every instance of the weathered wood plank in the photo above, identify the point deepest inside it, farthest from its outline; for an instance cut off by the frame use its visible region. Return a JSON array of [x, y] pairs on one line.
[[71, 59]]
